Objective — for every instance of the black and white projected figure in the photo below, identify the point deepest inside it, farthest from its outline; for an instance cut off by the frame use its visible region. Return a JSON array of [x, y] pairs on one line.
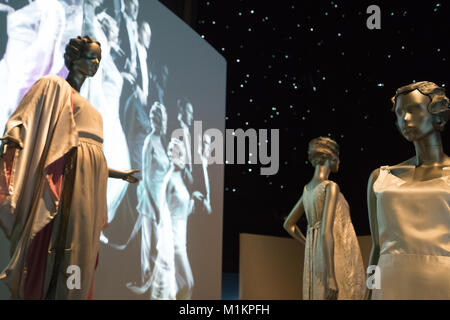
[[35, 48], [134, 70], [185, 120], [171, 275], [133, 105], [104, 91], [179, 205], [134, 114], [202, 196], [198, 188], [158, 83], [129, 34], [152, 222], [164, 206]]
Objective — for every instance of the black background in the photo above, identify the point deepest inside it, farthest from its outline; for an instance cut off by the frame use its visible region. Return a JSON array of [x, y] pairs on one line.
[[354, 75]]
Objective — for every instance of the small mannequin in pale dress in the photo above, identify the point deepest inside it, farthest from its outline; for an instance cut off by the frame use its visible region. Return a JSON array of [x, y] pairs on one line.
[[333, 266], [409, 203]]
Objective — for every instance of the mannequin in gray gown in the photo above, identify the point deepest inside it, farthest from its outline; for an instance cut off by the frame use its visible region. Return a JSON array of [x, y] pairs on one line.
[[333, 266], [409, 203]]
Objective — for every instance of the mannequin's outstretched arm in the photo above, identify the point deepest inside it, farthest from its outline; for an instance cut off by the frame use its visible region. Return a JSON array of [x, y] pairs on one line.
[[372, 209], [124, 175], [326, 232], [290, 224]]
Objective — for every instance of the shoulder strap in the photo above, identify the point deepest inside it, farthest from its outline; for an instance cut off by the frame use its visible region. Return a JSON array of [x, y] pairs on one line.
[[377, 185]]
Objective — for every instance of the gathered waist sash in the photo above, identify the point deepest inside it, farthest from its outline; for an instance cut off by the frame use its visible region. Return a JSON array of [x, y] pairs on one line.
[[90, 138], [315, 225]]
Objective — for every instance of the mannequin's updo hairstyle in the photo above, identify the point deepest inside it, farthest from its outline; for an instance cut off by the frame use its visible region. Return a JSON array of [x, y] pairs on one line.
[[75, 48], [439, 105], [321, 149]]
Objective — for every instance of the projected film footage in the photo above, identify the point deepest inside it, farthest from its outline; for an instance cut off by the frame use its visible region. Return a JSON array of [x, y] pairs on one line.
[[156, 77]]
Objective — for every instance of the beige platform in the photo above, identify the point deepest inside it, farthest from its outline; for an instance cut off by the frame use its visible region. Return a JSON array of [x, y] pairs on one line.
[[271, 268]]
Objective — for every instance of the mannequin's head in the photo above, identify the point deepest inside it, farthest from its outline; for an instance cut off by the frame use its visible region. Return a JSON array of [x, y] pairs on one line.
[[83, 55], [158, 118], [324, 151], [421, 108]]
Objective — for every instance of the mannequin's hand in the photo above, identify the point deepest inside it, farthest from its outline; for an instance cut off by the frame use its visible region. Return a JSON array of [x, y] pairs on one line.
[[367, 294], [331, 289], [130, 176]]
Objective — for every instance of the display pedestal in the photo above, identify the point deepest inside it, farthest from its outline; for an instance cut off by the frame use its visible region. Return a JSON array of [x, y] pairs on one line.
[[271, 268]]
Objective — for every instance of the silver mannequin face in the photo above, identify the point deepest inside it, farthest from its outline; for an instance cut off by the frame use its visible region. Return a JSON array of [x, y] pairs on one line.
[[413, 118]]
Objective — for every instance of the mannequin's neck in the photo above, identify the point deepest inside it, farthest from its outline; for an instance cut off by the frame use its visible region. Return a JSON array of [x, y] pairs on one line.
[[429, 149], [76, 80], [322, 172]]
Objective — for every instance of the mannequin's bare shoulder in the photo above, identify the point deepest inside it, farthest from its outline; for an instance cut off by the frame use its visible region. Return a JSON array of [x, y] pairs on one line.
[[446, 162], [332, 187], [445, 166], [373, 176]]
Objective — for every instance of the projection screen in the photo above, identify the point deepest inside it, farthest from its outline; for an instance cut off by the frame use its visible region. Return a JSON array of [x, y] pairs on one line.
[[157, 79]]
